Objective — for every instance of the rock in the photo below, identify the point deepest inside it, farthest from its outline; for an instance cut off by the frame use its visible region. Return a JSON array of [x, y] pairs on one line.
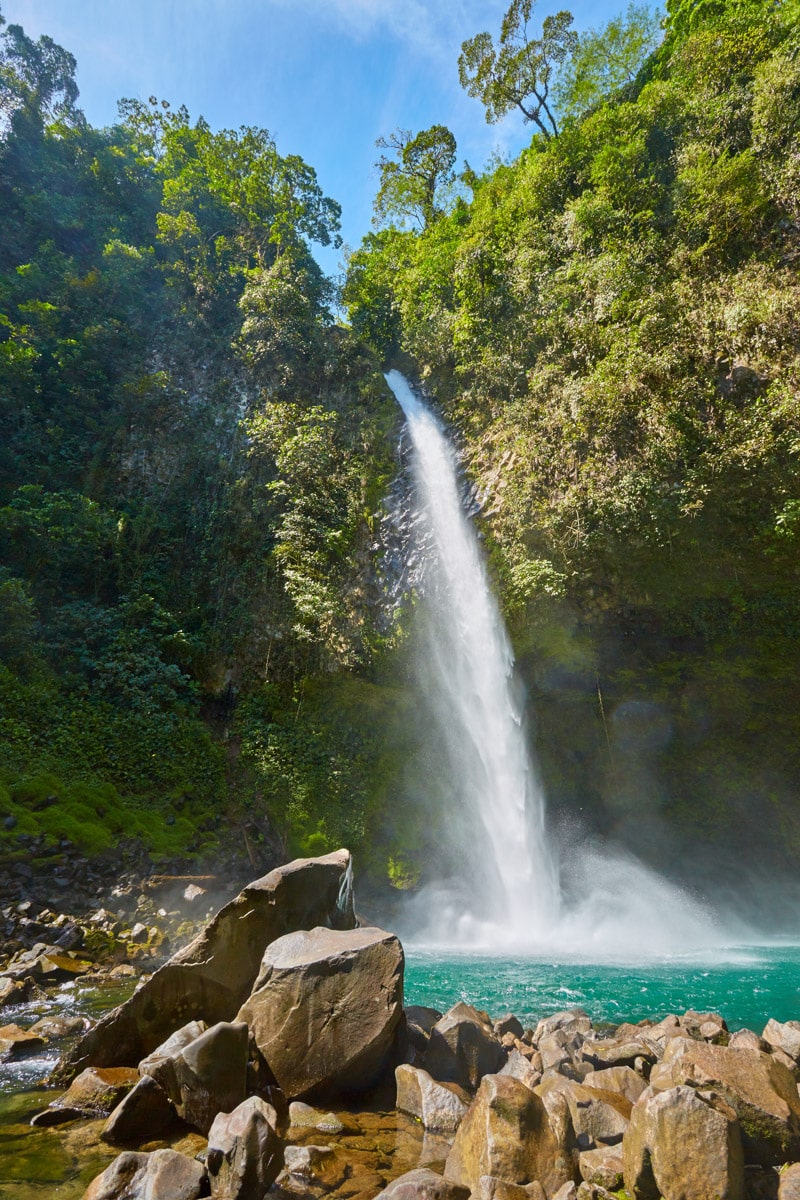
[[789, 1183], [419, 1023], [303, 1116], [19, 991], [492, 1188], [507, 1133], [521, 1069], [440, 1107], [139, 934], [602, 1167], [567, 1191], [140, 1116], [211, 978], [508, 1024], [55, 1028], [783, 1036], [612, 1053], [762, 1091], [422, 1184], [572, 1021], [207, 1076], [746, 1039], [192, 893], [617, 1079], [245, 1153], [682, 1147], [162, 1175], [326, 1008], [94, 1093], [463, 1048], [18, 1043], [314, 1165], [176, 1042], [596, 1116]]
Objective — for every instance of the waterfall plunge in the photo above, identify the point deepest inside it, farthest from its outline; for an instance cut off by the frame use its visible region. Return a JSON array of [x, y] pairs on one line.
[[501, 886]]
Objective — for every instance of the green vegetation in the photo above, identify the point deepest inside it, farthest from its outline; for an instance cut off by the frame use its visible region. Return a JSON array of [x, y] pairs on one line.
[[192, 461], [611, 326]]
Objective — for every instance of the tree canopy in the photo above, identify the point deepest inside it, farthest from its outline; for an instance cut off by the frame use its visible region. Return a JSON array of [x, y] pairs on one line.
[[416, 182]]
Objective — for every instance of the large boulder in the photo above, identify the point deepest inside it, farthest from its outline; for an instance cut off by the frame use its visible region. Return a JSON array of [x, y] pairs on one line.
[[463, 1048], [94, 1093], [140, 1117], [245, 1153], [326, 1008], [207, 1076], [597, 1116], [439, 1107], [680, 1146], [508, 1133], [783, 1035], [162, 1175], [762, 1091], [211, 977], [422, 1184]]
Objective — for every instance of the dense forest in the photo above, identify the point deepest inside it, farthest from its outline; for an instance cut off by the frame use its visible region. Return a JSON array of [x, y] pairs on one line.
[[199, 636]]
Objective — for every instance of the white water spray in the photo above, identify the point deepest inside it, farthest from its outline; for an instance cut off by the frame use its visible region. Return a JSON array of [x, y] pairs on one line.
[[501, 887]]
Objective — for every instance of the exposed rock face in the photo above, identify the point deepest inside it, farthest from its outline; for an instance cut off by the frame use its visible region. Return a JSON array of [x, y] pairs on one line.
[[681, 1147], [463, 1048], [141, 1116], [245, 1153], [422, 1184], [162, 1175], [211, 977], [761, 1090], [440, 1107], [326, 1007], [508, 1133]]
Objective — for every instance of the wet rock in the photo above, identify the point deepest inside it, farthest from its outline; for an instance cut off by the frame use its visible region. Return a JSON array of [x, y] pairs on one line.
[[55, 1028], [211, 977], [439, 1107], [602, 1167], [762, 1091], [326, 1008], [422, 1184], [314, 1165], [140, 1116], [18, 1043], [508, 1133], [162, 1175], [16, 991], [304, 1116], [681, 1146], [463, 1048], [245, 1153], [96, 1092]]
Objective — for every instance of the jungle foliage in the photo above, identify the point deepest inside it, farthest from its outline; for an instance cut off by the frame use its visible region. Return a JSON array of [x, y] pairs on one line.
[[192, 460], [611, 326]]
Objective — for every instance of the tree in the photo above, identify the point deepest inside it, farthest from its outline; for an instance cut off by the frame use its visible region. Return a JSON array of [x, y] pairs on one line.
[[415, 182], [519, 71], [606, 59], [36, 75]]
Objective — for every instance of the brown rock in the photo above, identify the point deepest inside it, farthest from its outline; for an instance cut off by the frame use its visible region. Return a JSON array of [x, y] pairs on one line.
[[140, 1116], [162, 1175], [208, 1076], [211, 977], [682, 1147], [18, 1043], [245, 1153], [508, 1133], [492, 1188], [602, 1167], [94, 1093], [612, 1053], [596, 1116], [463, 1048], [422, 1184], [440, 1107], [783, 1036], [746, 1039], [762, 1092], [789, 1183], [326, 1008], [522, 1069], [617, 1079]]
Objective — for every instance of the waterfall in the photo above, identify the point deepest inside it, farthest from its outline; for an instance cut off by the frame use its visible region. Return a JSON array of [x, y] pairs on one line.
[[500, 886], [469, 689]]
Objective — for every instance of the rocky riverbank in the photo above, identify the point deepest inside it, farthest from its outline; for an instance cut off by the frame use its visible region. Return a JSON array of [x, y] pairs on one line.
[[273, 1054]]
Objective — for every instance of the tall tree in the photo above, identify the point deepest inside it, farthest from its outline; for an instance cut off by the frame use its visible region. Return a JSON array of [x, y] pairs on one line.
[[606, 59], [519, 72], [416, 179]]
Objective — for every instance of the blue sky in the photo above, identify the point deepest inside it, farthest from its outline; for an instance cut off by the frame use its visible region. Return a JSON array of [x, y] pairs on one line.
[[326, 77]]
